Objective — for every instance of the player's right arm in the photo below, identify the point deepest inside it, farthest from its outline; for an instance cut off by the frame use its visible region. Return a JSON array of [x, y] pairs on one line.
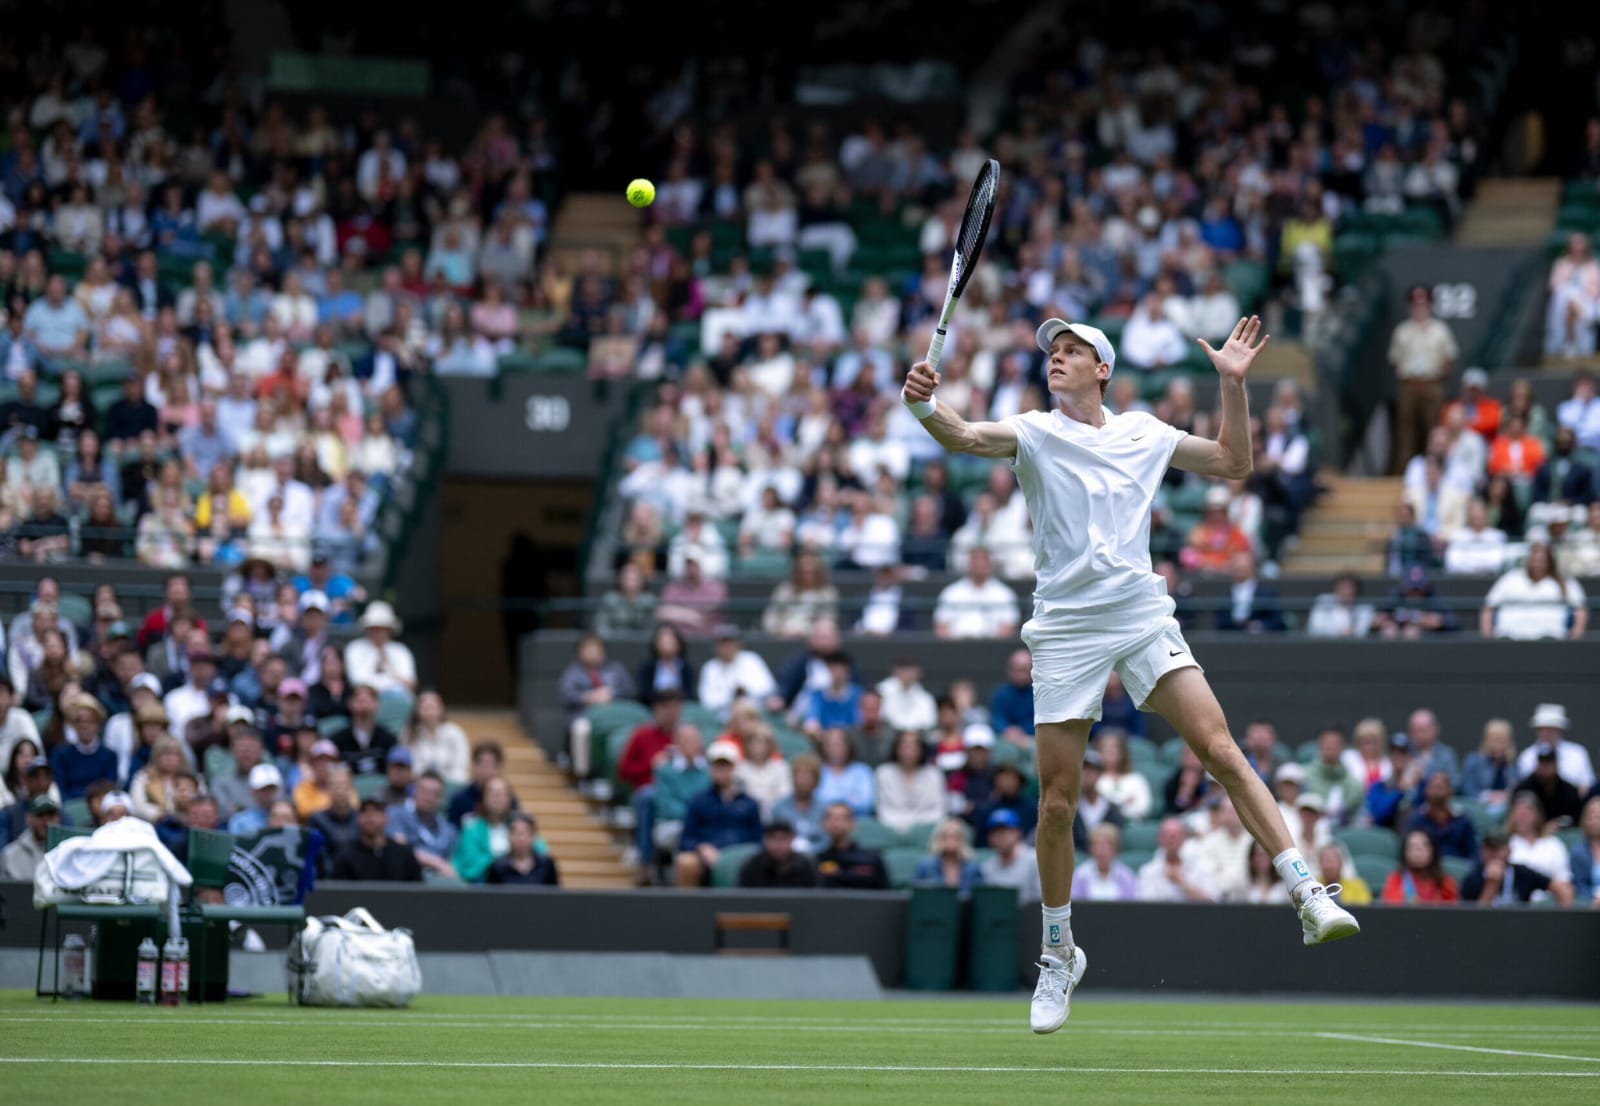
[[981, 439]]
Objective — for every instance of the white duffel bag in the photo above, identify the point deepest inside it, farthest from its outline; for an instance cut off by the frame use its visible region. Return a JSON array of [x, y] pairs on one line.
[[353, 961]]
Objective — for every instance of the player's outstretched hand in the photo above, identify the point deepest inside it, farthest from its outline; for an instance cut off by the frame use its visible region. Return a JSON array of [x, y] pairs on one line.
[[1236, 354], [920, 383]]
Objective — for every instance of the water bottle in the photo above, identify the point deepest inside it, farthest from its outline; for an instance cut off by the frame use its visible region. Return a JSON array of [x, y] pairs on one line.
[[145, 979], [183, 968], [169, 971], [74, 972]]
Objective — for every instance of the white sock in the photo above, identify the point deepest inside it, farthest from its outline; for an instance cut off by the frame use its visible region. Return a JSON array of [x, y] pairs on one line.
[[1292, 870], [1058, 930]]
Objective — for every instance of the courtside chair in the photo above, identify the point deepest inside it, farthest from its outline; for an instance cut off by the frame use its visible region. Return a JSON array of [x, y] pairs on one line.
[[56, 913], [210, 852]]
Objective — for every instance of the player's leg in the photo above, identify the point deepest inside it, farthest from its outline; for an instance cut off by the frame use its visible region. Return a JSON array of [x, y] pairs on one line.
[[1183, 696], [1059, 748]]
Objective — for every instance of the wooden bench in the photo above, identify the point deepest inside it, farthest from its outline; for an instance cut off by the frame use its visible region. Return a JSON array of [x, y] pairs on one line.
[[728, 923]]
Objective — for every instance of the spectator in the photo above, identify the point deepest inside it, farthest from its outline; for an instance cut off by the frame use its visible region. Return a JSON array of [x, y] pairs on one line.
[[628, 608], [1432, 755], [1331, 776], [1420, 879], [1558, 798], [1013, 864], [77, 764], [1176, 873], [592, 679], [1498, 881], [650, 742], [1574, 301], [437, 744], [399, 773], [1490, 773], [1389, 800], [763, 774], [57, 327], [910, 790], [907, 705], [1535, 601], [950, 861], [1118, 711], [1006, 793], [804, 601], [339, 823], [365, 742], [977, 605], [845, 864], [1585, 859], [1581, 413], [1335, 870], [1563, 477], [844, 779], [153, 787], [1151, 340], [836, 706], [374, 855], [1413, 610], [376, 658], [1480, 412], [801, 809], [1550, 725], [1516, 454], [1253, 606], [777, 864], [734, 674], [1118, 781], [330, 695], [666, 666], [1104, 878], [700, 542], [1438, 508], [1188, 787], [1476, 548], [692, 602], [1011, 706], [420, 824], [1423, 352], [769, 528], [1261, 885], [1409, 546], [1094, 807], [486, 836], [523, 863], [1452, 833], [21, 858], [1215, 540], [808, 670], [265, 784], [681, 774]]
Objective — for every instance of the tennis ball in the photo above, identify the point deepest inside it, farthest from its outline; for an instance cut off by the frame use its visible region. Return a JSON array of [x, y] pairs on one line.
[[641, 193]]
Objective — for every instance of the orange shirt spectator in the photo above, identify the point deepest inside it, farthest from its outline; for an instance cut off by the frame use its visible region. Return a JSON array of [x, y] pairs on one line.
[[1516, 453], [1483, 412], [1212, 544]]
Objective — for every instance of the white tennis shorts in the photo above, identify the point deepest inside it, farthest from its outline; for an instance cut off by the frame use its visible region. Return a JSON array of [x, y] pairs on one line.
[[1073, 657]]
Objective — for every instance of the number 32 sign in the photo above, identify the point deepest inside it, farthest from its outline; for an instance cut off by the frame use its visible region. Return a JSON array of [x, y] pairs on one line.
[[1455, 301], [547, 414]]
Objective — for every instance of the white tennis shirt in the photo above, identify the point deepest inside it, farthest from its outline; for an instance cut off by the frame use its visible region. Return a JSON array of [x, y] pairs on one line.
[[1089, 491]]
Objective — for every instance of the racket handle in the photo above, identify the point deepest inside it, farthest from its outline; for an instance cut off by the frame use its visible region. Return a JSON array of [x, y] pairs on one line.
[[936, 349]]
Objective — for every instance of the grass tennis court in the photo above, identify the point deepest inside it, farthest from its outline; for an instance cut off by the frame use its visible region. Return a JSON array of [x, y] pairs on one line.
[[708, 1053]]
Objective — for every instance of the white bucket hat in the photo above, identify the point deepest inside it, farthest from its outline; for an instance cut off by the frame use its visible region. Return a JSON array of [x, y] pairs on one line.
[[379, 613], [1549, 716]]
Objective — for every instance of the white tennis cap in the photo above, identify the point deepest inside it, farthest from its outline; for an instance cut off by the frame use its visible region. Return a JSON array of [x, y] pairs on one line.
[[1051, 329]]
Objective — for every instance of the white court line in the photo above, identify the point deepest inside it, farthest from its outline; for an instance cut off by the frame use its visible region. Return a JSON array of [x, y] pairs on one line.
[[910, 1069], [421, 1021], [1362, 1039]]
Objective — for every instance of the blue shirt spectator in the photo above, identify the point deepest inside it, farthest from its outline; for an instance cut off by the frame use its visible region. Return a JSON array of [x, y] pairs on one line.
[[1387, 799], [845, 780], [1453, 833], [56, 324], [1118, 711], [1011, 708], [834, 708], [77, 766], [930, 871], [721, 817]]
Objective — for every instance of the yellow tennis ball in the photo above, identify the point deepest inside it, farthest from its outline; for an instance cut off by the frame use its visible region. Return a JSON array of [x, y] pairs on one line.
[[641, 193]]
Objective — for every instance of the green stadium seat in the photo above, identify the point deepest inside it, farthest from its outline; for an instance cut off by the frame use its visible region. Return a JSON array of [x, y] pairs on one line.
[[610, 723], [1306, 752], [1144, 754], [768, 564], [1136, 858], [370, 784], [873, 834], [901, 862], [1375, 869], [919, 836], [726, 872], [219, 764], [1140, 836], [1248, 280], [1373, 840], [1457, 868], [792, 743], [394, 710], [333, 724], [709, 722], [75, 813], [1172, 751]]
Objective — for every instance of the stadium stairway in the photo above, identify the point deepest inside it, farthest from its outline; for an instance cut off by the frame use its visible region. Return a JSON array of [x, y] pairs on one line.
[[571, 825], [1346, 530], [600, 221], [1512, 211]]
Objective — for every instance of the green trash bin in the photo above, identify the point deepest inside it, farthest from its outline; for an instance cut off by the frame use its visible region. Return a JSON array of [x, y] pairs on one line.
[[115, 956], [933, 939], [992, 940]]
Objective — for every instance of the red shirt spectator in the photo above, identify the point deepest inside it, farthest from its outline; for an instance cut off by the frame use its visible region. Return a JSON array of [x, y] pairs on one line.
[[1419, 877], [1483, 412], [650, 741]]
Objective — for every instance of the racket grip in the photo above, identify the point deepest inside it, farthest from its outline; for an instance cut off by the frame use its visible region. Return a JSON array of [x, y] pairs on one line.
[[936, 348]]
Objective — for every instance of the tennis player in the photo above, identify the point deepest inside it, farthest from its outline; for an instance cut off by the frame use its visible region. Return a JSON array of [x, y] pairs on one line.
[[1089, 478]]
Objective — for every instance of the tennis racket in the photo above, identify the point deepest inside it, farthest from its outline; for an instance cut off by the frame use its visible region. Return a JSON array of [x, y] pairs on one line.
[[969, 243]]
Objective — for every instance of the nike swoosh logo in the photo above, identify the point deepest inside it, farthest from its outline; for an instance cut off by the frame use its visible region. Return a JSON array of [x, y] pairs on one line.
[[1176, 653], [1136, 437]]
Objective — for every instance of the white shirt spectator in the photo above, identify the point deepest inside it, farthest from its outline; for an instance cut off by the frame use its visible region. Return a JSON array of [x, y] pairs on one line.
[[1223, 855], [1582, 417], [769, 530], [880, 616], [1022, 873], [908, 707], [1525, 610], [1130, 791], [392, 669], [768, 783], [211, 208], [773, 375], [1152, 341], [369, 168], [907, 801], [821, 320], [1212, 315], [708, 547], [185, 704], [971, 610], [1573, 764], [1331, 618], [1155, 885], [1547, 856], [869, 456], [1475, 552], [746, 673], [871, 542]]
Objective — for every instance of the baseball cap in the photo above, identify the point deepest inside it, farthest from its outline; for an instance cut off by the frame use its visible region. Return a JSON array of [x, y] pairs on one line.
[[1051, 329], [1291, 772], [240, 713], [38, 764], [218, 687], [1475, 378], [977, 733], [1218, 497], [1092, 759], [1005, 817], [778, 825], [44, 804], [146, 681], [372, 802], [292, 686], [1311, 801], [399, 755], [241, 614], [1545, 751], [1400, 741], [314, 600], [265, 775], [725, 751], [322, 747]]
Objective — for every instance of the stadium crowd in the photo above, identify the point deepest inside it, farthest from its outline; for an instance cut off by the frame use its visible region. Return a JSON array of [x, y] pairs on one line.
[[261, 714], [818, 776]]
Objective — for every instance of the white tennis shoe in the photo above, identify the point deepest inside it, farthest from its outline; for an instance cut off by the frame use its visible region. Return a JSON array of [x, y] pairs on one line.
[[1324, 920], [1052, 997]]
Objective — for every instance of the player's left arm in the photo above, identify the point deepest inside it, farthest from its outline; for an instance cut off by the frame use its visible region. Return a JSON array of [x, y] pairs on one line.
[[1229, 455]]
